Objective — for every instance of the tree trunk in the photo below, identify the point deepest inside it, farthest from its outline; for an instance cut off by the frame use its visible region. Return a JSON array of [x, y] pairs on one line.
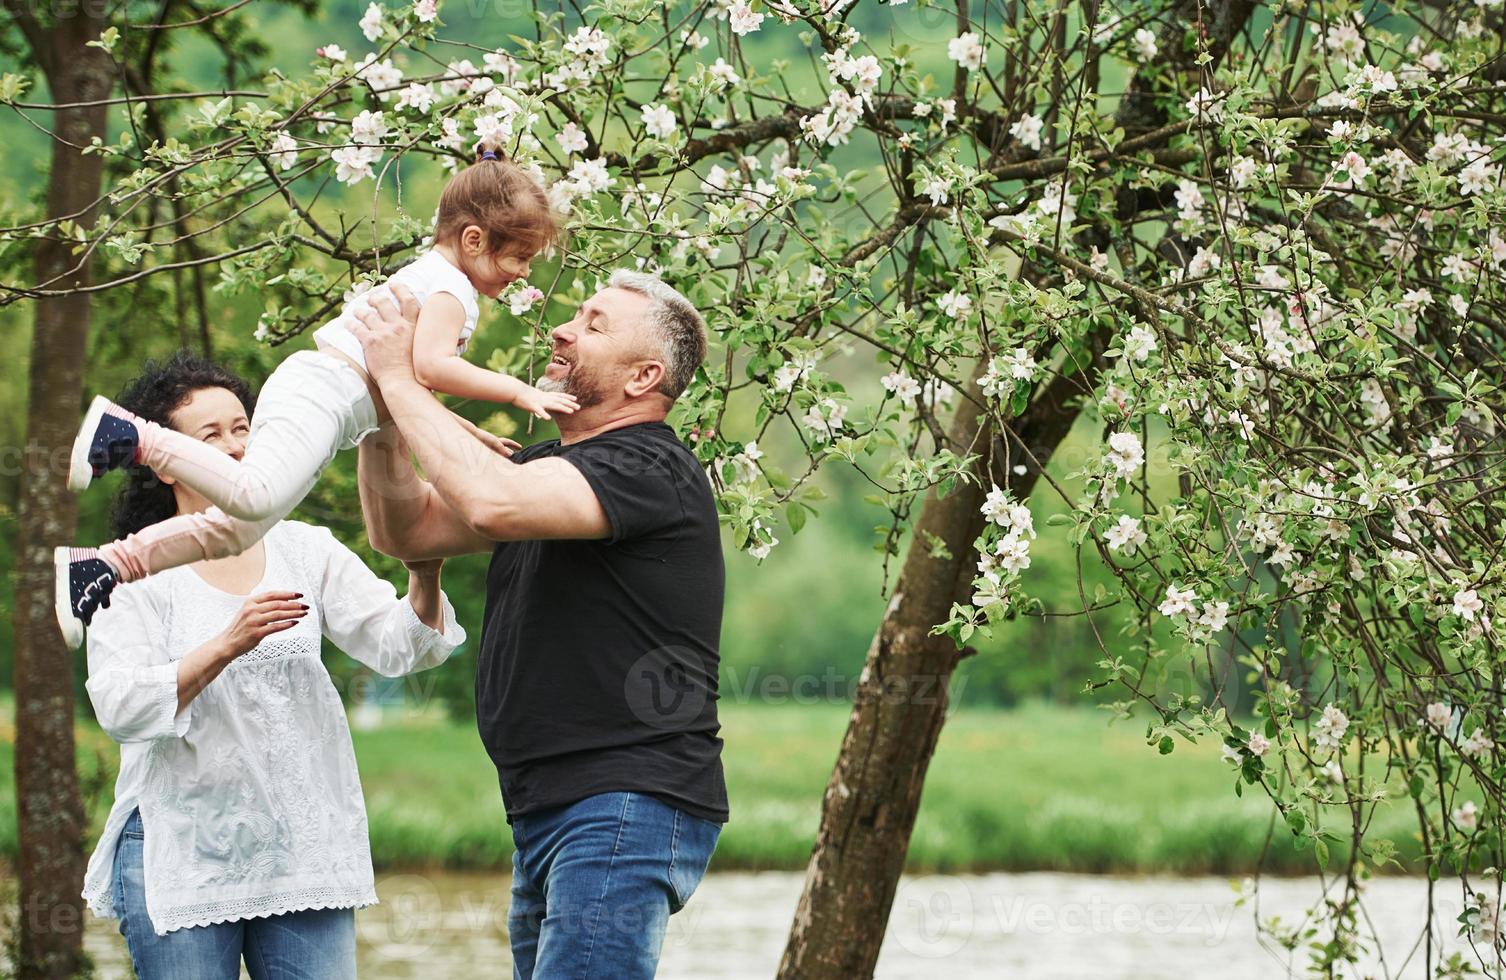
[[50, 813], [871, 801]]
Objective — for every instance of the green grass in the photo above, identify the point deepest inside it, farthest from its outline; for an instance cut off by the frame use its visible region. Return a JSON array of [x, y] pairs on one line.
[[1030, 788]]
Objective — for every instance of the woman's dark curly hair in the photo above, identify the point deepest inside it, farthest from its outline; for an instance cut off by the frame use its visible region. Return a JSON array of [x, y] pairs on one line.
[[162, 388]]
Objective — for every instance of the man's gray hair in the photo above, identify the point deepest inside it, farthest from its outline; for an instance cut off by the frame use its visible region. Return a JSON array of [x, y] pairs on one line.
[[679, 326]]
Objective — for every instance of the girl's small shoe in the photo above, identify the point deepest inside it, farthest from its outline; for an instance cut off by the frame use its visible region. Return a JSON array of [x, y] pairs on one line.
[[106, 441], [83, 582]]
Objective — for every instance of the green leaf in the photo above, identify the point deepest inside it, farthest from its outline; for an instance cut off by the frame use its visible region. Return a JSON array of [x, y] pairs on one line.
[[1167, 744], [107, 39], [12, 85]]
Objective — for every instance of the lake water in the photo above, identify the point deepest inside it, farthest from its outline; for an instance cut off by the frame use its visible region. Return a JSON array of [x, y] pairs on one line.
[[1031, 926]]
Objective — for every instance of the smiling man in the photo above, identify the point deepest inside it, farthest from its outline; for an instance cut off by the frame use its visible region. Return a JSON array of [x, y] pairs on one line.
[[597, 673]]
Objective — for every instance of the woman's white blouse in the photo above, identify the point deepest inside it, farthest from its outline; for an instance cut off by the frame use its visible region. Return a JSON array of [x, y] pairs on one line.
[[249, 797]]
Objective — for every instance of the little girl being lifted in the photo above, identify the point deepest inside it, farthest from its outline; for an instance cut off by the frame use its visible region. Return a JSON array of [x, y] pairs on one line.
[[493, 219]]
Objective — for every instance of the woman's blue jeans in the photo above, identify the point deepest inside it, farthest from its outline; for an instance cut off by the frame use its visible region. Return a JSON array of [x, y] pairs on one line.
[[594, 884], [313, 945]]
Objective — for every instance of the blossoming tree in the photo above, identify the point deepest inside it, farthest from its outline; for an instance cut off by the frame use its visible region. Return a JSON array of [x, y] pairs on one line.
[[1252, 247]]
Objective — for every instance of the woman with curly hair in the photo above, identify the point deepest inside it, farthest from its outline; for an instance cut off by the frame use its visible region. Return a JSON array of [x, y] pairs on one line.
[[239, 828]]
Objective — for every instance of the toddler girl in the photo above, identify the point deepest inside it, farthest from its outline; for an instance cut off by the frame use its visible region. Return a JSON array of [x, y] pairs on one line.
[[493, 218]]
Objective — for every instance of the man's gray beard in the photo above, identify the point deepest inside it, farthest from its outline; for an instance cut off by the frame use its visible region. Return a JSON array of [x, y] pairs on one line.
[[585, 393]]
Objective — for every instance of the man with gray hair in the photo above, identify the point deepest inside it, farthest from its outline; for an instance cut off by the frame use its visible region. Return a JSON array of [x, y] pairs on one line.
[[596, 680]]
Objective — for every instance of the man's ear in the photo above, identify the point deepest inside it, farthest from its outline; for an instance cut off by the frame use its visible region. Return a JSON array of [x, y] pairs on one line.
[[646, 376]]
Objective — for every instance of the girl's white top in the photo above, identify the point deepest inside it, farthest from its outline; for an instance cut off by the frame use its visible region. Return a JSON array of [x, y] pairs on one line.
[[426, 275], [249, 797]]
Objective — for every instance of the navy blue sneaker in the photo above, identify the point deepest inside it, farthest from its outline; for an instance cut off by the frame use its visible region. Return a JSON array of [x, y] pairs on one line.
[[106, 441], [83, 582]]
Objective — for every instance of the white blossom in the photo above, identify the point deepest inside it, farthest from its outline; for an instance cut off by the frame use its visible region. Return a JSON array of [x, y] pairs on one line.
[[1477, 745], [724, 74], [591, 175], [746, 463], [418, 97], [1012, 553], [523, 300], [1125, 453], [1477, 178], [901, 386], [1027, 129], [658, 121], [937, 188], [1203, 262], [793, 370], [353, 162], [1140, 343], [571, 138], [590, 44], [825, 419], [1178, 602], [1125, 535], [1330, 729], [757, 546], [371, 22], [967, 50], [956, 305], [1467, 603], [742, 18], [1206, 105], [1215, 616], [383, 76], [1189, 198], [284, 151]]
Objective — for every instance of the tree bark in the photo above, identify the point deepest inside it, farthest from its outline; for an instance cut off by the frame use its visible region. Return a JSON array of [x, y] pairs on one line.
[[50, 812]]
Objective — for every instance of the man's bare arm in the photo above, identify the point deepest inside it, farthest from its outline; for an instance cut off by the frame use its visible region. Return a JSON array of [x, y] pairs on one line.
[[405, 517], [497, 499]]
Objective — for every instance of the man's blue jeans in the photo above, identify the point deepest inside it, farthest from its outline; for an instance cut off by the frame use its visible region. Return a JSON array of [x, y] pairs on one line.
[[319, 944], [594, 884]]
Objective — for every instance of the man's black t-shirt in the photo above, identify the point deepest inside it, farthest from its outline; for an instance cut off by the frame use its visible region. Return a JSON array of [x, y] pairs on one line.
[[598, 662]]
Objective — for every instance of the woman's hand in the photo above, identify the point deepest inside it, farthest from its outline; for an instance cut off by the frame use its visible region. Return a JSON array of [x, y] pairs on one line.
[[261, 616]]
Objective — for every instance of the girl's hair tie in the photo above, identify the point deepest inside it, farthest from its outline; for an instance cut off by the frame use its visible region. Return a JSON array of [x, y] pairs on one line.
[[489, 155]]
